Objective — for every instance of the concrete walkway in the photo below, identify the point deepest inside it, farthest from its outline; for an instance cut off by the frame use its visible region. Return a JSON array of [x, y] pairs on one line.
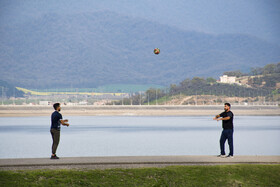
[[129, 162]]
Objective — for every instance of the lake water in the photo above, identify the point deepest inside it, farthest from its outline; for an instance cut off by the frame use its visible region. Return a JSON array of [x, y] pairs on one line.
[[29, 137]]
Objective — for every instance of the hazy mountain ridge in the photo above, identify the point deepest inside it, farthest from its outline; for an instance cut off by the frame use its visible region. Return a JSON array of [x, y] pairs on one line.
[[258, 18], [91, 49]]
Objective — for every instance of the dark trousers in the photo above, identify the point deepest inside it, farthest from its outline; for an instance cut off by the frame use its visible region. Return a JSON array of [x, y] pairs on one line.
[[55, 136], [227, 134]]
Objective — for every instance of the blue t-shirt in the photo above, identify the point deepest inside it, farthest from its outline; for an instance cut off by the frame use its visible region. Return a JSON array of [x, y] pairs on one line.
[[56, 117]]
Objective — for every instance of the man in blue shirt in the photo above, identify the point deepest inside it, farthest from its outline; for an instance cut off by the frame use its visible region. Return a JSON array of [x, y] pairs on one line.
[[56, 121], [227, 133]]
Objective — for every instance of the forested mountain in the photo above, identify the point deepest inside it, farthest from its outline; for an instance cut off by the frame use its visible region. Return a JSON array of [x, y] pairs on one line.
[[99, 48]]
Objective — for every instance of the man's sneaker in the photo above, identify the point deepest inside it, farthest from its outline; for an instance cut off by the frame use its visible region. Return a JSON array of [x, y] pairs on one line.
[[54, 157], [230, 156], [222, 156]]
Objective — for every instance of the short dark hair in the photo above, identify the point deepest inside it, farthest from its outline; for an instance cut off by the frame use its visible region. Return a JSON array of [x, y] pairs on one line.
[[56, 105], [227, 104]]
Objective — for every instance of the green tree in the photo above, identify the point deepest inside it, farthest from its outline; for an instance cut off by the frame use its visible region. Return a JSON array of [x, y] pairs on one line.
[[198, 81], [210, 80], [237, 73], [269, 69]]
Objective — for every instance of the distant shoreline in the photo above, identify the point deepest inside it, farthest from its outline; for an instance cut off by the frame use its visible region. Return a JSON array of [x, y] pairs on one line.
[[136, 110]]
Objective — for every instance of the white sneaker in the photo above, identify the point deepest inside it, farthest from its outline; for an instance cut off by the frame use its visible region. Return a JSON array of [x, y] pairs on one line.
[[230, 156], [222, 156]]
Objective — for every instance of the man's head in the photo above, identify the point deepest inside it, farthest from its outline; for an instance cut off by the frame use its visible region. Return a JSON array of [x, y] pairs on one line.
[[227, 107], [56, 106]]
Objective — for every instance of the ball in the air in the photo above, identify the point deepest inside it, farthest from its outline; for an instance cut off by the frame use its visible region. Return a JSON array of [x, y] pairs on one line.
[[156, 51]]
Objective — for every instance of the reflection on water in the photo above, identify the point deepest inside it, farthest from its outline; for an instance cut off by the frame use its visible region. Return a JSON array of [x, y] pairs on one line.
[[22, 137]]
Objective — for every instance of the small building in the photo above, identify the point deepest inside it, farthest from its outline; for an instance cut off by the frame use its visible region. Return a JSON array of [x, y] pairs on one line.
[[71, 104], [83, 103], [44, 103], [227, 79]]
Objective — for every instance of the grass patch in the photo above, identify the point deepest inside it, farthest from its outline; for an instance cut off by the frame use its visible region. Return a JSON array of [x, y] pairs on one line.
[[161, 100], [221, 175]]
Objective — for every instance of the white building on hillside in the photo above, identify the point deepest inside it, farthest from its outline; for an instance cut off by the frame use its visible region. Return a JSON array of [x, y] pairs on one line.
[[228, 80]]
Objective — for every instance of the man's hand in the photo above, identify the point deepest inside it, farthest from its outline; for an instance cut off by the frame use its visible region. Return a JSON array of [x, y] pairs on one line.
[[216, 117], [64, 122]]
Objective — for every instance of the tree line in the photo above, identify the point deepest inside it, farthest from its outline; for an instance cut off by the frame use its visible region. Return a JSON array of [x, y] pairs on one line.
[[263, 86], [266, 70], [265, 77], [195, 86]]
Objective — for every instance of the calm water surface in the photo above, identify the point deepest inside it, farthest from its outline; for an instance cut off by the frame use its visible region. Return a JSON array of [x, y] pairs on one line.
[[29, 137]]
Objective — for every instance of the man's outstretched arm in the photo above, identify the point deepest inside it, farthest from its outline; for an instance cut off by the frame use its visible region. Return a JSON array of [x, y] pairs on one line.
[[225, 118], [64, 122], [218, 118]]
